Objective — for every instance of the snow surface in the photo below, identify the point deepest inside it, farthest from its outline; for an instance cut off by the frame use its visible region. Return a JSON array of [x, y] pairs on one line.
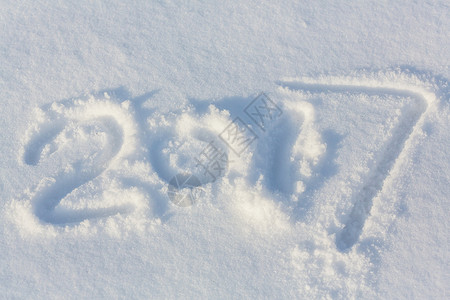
[[341, 192]]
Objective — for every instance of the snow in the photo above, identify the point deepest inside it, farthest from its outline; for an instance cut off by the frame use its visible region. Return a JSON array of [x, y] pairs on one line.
[[331, 121]]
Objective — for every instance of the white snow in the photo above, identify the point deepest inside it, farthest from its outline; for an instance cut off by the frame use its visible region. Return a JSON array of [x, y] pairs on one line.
[[327, 126]]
